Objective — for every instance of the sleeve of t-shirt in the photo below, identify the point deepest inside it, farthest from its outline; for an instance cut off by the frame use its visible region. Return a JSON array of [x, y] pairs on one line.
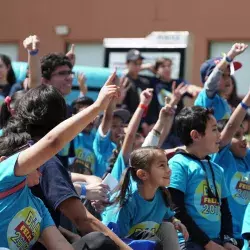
[[15, 87], [217, 157], [8, 179], [246, 224], [119, 167], [102, 142], [203, 100], [179, 176], [47, 220], [56, 183]]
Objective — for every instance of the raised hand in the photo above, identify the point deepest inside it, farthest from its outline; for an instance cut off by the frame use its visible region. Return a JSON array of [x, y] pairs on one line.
[[125, 85], [108, 92], [177, 92], [166, 112], [71, 54], [237, 49], [146, 96], [81, 79], [31, 43]]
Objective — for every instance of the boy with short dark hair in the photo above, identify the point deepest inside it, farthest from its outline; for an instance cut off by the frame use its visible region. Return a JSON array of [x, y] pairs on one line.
[[197, 185]]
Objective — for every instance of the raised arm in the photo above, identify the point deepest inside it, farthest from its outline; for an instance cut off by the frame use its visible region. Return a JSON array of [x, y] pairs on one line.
[[32, 45], [108, 113], [127, 146], [211, 84], [235, 121], [33, 157]]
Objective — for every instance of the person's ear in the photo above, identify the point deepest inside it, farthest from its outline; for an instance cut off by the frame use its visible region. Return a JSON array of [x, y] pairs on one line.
[[195, 135], [142, 174], [2, 158]]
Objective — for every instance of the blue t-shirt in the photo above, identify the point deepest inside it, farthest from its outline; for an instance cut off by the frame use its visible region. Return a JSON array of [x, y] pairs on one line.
[[237, 176], [221, 107], [189, 177], [103, 148], [138, 214], [23, 216], [119, 167], [246, 228]]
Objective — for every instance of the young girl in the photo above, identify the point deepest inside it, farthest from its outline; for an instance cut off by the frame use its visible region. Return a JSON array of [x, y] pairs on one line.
[[24, 217], [143, 202]]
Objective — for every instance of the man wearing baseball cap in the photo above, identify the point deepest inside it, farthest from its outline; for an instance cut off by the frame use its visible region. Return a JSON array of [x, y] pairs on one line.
[[216, 77], [138, 83]]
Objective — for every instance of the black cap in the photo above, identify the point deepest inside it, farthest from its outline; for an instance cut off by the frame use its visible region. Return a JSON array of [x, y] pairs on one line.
[[124, 114], [134, 55]]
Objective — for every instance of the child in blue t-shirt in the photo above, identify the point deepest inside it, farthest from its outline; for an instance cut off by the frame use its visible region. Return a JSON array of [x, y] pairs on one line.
[[24, 217], [143, 203], [234, 158], [246, 229], [197, 185], [215, 74]]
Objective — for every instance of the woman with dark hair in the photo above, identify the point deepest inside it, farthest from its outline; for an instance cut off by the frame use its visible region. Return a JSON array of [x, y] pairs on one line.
[[7, 76]]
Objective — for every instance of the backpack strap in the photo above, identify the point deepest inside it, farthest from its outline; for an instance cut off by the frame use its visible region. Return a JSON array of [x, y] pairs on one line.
[[13, 190]]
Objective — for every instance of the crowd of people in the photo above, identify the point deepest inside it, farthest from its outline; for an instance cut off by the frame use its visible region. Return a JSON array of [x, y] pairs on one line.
[[152, 163]]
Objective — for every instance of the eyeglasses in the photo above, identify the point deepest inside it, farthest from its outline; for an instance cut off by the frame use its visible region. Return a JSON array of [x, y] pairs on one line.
[[64, 73]]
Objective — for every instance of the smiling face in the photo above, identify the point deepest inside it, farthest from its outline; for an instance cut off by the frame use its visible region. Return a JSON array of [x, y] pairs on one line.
[[239, 144], [117, 129], [159, 173], [62, 79]]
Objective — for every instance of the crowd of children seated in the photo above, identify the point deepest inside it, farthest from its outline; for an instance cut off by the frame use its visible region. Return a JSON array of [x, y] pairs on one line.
[[152, 163]]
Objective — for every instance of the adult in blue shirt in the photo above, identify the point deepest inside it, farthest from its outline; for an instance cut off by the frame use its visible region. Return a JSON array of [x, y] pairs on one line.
[[216, 76]]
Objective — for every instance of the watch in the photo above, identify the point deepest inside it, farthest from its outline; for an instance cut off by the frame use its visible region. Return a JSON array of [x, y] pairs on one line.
[[228, 239]]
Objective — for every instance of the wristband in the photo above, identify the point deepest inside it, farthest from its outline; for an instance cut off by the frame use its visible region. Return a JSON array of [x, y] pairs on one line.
[[145, 108], [228, 60], [83, 190], [34, 52], [244, 106]]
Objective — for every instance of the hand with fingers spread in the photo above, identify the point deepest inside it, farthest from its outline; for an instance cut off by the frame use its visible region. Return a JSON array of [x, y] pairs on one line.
[[146, 96], [237, 49], [71, 54], [97, 191], [31, 44], [81, 79], [166, 112], [107, 92], [177, 92]]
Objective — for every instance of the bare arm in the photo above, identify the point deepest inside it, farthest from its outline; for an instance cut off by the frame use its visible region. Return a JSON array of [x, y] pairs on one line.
[[86, 222], [89, 179], [32, 44], [33, 157], [53, 239], [127, 146], [211, 84], [234, 122]]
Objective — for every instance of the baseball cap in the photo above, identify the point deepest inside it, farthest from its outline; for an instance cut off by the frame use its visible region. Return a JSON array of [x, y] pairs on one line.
[[124, 114], [208, 66], [134, 55]]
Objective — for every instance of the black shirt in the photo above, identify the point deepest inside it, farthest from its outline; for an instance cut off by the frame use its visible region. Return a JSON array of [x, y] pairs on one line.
[[132, 98], [55, 187]]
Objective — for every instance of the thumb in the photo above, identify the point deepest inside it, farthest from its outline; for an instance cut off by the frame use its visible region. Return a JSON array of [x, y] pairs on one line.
[[110, 79]]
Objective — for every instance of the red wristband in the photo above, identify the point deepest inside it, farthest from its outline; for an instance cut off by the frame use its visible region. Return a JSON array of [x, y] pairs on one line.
[[145, 108]]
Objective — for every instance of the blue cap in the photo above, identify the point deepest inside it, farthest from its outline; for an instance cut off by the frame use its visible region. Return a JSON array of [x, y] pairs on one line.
[[208, 66]]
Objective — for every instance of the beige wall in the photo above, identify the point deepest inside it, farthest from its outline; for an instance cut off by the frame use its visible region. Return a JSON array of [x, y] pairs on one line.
[[94, 20]]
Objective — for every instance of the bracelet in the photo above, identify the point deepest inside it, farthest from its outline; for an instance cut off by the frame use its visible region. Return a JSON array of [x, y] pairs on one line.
[[34, 52], [244, 106], [228, 60], [83, 190], [145, 108]]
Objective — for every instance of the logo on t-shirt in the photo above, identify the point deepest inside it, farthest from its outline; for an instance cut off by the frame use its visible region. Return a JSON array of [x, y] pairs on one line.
[[163, 93], [145, 225], [24, 229], [207, 207], [240, 187]]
